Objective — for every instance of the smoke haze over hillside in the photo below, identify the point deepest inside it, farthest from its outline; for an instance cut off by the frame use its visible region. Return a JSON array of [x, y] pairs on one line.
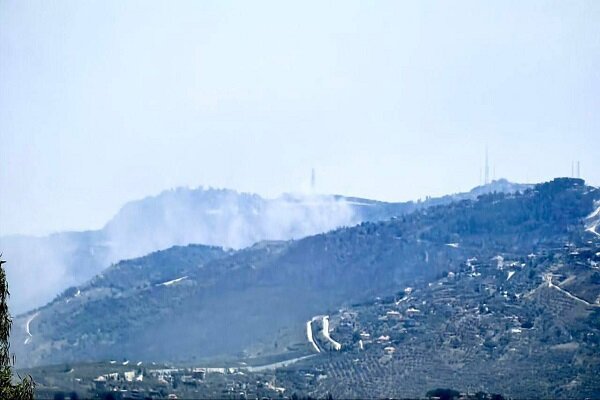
[[218, 217], [346, 198], [222, 218], [39, 268]]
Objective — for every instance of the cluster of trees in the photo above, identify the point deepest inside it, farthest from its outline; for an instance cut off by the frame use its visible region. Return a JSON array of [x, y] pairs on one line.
[[22, 390]]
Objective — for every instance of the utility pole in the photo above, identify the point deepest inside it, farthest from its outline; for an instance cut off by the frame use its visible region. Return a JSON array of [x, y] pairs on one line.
[[480, 176], [572, 169], [487, 167]]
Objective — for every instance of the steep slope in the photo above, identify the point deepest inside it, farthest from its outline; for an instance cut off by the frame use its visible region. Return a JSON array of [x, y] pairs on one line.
[[179, 217], [524, 325], [255, 302]]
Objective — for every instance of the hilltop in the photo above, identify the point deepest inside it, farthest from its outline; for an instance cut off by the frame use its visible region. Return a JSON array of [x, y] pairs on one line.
[[217, 217], [200, 303]]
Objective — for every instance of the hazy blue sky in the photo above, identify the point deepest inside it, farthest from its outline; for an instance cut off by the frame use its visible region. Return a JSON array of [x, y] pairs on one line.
[[102, 102]]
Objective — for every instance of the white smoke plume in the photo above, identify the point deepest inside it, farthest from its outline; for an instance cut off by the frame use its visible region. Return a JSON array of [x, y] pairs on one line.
[[40, 268]]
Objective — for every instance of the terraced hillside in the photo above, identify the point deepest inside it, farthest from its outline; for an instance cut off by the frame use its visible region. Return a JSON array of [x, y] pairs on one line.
[[526, 325], [255, 302]]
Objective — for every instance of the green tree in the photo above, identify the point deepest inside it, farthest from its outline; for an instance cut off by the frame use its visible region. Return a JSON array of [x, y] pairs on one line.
[[8, 390], [443, 394]]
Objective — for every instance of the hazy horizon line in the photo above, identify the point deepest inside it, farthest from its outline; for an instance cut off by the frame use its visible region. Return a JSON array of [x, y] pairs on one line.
[[298, 193]]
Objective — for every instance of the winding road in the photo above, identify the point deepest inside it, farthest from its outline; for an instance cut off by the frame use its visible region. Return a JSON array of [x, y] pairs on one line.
[[309, 335], [29, 335], [548, 279], [276, 365], [592, 228], [324, 330], [335, 344]]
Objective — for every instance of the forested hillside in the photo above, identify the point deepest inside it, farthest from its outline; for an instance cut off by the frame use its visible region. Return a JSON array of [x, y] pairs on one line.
[[208, 303]]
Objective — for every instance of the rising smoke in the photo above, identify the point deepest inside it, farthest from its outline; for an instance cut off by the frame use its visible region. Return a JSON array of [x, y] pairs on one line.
[[40, 268]]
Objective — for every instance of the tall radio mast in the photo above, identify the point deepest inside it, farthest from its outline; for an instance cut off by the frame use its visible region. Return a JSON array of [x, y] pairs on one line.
[[487, 167]]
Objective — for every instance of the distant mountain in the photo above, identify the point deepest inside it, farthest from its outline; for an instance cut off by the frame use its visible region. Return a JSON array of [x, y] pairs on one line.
[[215, 217], [191, 303]]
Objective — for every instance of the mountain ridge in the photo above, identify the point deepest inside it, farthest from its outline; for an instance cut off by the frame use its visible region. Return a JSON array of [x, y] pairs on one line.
[[263, 294], [220, 217]]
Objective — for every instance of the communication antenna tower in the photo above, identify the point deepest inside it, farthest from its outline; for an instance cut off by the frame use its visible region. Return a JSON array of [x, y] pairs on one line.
[[487, 167]]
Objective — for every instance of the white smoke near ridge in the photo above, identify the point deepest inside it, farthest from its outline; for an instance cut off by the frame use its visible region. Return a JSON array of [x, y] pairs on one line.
[[293, 218], [222, 218], [38, 269]]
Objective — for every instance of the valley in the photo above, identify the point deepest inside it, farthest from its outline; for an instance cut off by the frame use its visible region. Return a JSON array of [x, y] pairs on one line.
[[511, 306]]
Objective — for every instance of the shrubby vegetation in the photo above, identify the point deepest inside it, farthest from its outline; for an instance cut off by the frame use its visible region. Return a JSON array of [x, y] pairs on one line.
[[22, 390], [479, 307]]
